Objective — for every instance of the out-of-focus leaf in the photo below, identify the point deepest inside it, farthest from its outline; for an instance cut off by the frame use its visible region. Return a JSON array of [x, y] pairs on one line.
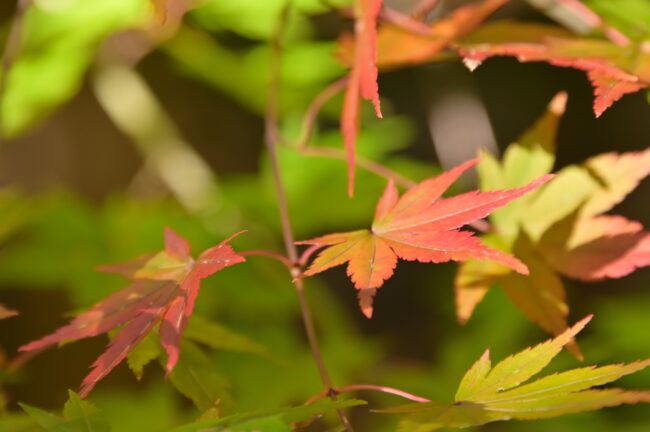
[[474, 279], [59, 42], [144, 353], [557, 228], [19, 423], [196, 378], [531, 156], [244, 76], [46, 420], [272, 420], [596, 248], [209, 333], [259, 20], [632, 17], [540, 296], [603, 181], [83, 416]]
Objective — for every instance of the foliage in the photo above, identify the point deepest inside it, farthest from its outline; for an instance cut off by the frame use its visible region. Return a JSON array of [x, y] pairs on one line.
[[234, 358], [487, 394]]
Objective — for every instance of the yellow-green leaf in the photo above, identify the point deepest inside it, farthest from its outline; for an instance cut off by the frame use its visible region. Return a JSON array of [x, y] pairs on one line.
[[486, 395]]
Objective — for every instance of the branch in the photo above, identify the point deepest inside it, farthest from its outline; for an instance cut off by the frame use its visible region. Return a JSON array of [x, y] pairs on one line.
[[272, 139], [269, 254], [370, 387], [311, 115]]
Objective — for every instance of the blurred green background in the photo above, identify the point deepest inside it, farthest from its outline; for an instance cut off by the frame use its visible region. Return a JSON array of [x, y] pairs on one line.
[[114, 127]]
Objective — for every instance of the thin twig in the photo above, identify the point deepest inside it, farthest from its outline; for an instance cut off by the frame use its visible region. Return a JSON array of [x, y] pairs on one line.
[[424, 8], [12, 47], [272, 139], [383, 389], [272, 136], [369, 387], [269, 254], [308, 122], [367, 164], [304, 258], [404, 22], [314, 108]]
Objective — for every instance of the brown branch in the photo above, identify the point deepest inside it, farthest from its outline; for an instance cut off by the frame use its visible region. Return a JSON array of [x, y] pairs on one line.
[[269, 254], [272, 139], [11, 49], [309, 120]]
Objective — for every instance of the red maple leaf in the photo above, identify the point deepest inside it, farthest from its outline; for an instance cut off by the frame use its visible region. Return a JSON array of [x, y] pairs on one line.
[[362, 79], [164, 289], [419, 226], [598, 58]]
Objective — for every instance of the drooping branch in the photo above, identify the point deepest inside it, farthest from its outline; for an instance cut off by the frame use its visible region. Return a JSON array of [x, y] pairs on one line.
[[272, 138]]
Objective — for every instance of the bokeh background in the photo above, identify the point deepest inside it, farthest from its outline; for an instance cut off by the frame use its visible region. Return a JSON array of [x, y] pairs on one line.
[[116, 127]]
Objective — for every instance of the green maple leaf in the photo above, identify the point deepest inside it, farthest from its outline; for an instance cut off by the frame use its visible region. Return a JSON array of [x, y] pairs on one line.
[[487, 394]]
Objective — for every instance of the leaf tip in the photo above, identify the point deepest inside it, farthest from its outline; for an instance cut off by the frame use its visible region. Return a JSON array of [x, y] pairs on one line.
[[558, 104]]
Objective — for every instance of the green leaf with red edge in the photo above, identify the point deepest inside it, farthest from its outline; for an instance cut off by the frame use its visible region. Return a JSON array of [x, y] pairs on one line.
[[164, 289], [362, 80], [418, 226], [487, 394]]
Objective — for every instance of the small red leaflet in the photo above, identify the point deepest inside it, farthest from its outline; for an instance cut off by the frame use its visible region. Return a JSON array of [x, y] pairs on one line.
[[164, 289], [418, 226], [362, 79]]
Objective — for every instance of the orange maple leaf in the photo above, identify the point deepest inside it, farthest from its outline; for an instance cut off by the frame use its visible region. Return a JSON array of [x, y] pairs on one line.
[[419, 226]]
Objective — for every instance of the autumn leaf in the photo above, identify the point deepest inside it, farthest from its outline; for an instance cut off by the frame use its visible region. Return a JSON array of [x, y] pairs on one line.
[[610, 68], [557, 230], [487, 394], [164, 289], [418, 226], [362, 79], [398, 47]]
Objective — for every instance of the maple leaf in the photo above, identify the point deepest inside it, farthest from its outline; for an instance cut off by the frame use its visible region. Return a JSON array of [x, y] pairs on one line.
[[557, 230], [362, 79], [419, 226], [606, 64], [398, 47], [164, 289], [487, 394]]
